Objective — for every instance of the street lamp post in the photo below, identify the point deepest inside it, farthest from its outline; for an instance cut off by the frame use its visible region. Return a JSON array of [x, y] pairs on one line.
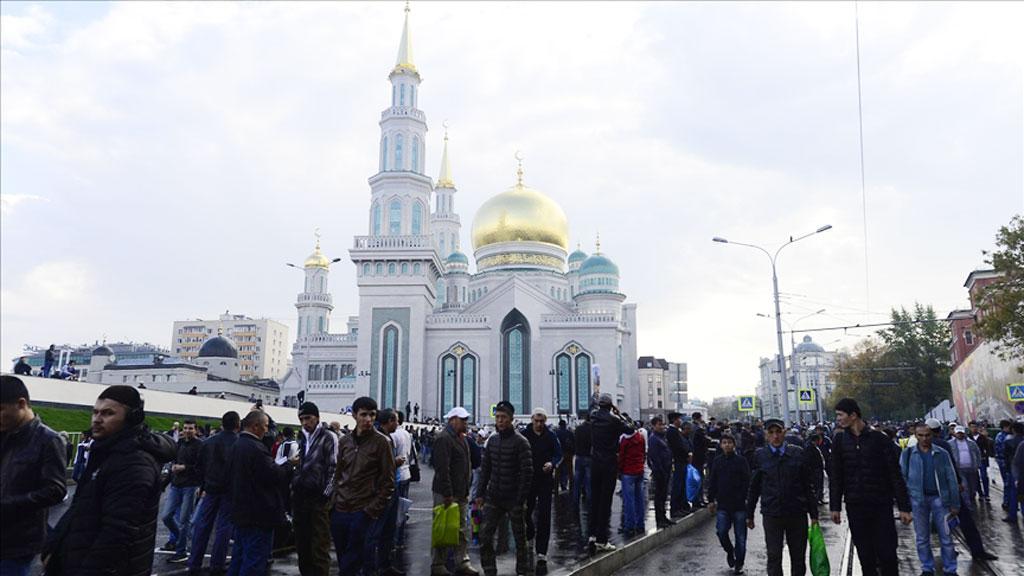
[[778, 316]]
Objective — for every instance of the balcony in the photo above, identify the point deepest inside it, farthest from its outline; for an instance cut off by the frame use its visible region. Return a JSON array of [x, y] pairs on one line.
[[371, 242], [457, 319], [328, 339], [403, 111], [578, 319], [305, 298]]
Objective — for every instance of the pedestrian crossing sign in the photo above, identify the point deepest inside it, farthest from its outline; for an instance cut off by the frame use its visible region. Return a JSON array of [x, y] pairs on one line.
[[806, 395], [746, 403], [1015, 392], [493, 406]]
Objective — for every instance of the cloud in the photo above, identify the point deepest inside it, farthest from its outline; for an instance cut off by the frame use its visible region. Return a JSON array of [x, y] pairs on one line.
[[20, 32], [8, 202]]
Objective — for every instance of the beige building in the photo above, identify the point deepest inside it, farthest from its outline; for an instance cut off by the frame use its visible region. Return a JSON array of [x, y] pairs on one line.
[[662, 384], [263, 344]]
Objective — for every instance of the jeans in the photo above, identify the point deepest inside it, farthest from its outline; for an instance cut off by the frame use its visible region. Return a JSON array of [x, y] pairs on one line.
[[633, 507], [538, 515], [565, 471], [177, 516], [794, 529], [251, 551], [738, 522], [1011, 492], [581, 480], [928, 512], [311, 519], [16, 566], [47, 366], [1005, 474], [983, 472], [380, 540], [603, 480], [212, 515], [348, 529], [874, 535]]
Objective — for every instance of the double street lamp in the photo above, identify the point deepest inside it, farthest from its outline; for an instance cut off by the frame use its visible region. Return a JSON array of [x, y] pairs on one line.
[[778, 316]]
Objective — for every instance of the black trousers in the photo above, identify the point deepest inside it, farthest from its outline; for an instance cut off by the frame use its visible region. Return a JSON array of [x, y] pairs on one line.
[[969, 527], [794, 529], [538, 515], [604, 474], [660, 494], [874, 534]]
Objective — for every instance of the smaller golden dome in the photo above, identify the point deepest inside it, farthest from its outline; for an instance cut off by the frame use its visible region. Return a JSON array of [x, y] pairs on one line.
[[317, 258]]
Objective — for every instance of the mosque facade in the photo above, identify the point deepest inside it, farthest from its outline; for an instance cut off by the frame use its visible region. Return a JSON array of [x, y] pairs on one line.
[[527, 322]]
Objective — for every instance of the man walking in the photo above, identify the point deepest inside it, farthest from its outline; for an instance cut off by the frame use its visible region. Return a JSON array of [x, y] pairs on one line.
[[214, 511], [546, 455], [934, 495], [380, 540], [364, 484], [1014, 475], [505, 476], [781, 480], [728, 484], [402, 440], [581, 437], [181, 494], [312, 486], [865, 469], [565, 440], [979, 433], [968, 459], [48, 359], [32, 477], [699, 445], [608, 426], [110, 527], [680, 448], [451, 485], [1004, 433], [659, 458]]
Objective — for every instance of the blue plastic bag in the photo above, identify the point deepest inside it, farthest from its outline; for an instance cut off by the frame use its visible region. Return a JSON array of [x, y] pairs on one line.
[[692, 482]]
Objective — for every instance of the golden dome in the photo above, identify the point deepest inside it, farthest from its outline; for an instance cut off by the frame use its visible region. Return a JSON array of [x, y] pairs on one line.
[[317, 258], [520, 214]]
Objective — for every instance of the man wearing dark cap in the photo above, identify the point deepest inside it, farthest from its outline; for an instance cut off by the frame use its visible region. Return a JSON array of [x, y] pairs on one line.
[[214, 511], [32, 472], [505, 475], [866, 470], [608, 426], [110, 527], [312, 487], [782, 482]]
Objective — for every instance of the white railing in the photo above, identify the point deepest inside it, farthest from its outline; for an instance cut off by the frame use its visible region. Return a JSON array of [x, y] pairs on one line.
[[321, 298], [403, 111], [329, 338], [577, 318], [448, 319], [420, 241]]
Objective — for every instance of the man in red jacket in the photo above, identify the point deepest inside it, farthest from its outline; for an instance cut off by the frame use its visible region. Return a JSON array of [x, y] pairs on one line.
[[632, 452]]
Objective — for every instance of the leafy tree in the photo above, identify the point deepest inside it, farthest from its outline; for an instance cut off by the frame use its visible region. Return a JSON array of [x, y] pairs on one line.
[[1002, 303], [902, 373]]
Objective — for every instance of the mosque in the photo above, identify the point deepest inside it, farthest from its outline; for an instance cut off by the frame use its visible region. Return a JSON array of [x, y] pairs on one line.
[[528, 322]]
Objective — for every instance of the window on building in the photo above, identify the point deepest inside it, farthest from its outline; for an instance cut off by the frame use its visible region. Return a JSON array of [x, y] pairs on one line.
[[380, 268], [448, 388], [582, 382], [401, 95], [384, 154], [398, 152], [412, 95], [395, 218], [376, 219], [563, 382], [416, 268], [516, 361], [415, 154], [417, 219], [405, 268], [389, 367], [366, 269], [969, 337]]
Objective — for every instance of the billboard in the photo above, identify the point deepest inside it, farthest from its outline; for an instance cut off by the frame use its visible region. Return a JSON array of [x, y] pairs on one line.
[[980, 386]]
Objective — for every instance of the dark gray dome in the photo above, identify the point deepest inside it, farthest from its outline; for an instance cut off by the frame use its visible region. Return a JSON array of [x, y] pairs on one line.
[[103, 350], [218, 347], [807, 346]]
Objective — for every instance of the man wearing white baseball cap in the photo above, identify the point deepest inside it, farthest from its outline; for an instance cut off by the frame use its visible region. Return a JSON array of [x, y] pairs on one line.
[[451, 484]]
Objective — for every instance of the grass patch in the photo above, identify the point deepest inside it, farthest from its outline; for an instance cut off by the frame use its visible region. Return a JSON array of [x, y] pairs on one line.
[[79, 419]]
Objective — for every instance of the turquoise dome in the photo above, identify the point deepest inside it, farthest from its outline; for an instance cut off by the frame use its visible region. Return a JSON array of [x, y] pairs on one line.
[[457, 257], [577, 256], [599, 264]]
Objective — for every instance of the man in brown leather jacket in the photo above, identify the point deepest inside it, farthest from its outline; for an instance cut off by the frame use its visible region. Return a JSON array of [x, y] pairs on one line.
[[364, 483]]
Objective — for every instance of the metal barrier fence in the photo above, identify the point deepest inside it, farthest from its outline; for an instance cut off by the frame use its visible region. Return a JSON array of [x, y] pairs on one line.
[[73, 439]]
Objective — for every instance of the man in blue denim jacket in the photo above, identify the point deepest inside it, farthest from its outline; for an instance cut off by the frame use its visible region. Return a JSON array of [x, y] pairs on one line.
[[934, 496]]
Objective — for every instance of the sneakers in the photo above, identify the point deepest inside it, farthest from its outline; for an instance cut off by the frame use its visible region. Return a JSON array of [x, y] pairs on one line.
[[178, 559], [738, 569], [604, 547], [542, 559]]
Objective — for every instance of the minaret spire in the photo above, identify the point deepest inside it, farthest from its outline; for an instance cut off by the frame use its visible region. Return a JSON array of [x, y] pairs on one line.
[[444, 179], [405, 46]]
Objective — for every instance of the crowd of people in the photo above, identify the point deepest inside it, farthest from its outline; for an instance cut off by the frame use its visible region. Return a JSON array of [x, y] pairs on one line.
[[254, 487]]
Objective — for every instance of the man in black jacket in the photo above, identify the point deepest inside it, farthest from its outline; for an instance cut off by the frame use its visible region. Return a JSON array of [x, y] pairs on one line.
[[781, 480], [581, 438], [608, 425], [256, 504], [311, 492], [659, 458], [110, 527], [547, 455], [865, 469], [700, 444], [181, 494], [680, 448], [214, 511], [728, 484], [505, 475], [32, 476]]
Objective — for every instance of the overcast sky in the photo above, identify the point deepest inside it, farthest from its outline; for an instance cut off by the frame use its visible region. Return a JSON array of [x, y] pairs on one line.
[[163, 161]]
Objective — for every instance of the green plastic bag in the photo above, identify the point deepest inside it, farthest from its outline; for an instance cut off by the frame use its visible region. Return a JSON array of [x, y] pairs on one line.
[[819, 556], [446, 525]]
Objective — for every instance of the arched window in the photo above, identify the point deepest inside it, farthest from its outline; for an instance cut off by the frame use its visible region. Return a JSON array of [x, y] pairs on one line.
[[416, 269], [563, 379], [394, 94], [417, 219], [391, 269], [463, 294], [384, 154], [441, 295], [415, 154], [438, 203], [515, 337], [366, 269], [412, 95], [469, 383], [380, 268], [300, 325], [376, 219], [405, 268], [320, 325], [401, 95], [582, 382], [389, 367], [448, 378], [395, 218], [398, 152], [321, 284]]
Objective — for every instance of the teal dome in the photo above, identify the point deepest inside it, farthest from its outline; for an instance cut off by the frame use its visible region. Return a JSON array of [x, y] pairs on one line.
[[599, 264], [577, 256], [457, 257]]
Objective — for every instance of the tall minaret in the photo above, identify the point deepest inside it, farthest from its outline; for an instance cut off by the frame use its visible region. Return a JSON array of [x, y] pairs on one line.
[[398, 268], [314, 302], [444, 222], [400, 191]]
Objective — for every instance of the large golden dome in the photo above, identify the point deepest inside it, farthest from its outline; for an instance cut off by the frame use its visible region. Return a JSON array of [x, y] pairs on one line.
[[520, 214]]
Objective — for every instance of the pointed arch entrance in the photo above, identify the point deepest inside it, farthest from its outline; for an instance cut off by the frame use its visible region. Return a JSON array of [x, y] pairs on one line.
[[515, 361]]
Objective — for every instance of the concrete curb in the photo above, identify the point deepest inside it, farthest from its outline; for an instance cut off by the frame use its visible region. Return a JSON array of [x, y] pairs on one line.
[[609, 563]]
